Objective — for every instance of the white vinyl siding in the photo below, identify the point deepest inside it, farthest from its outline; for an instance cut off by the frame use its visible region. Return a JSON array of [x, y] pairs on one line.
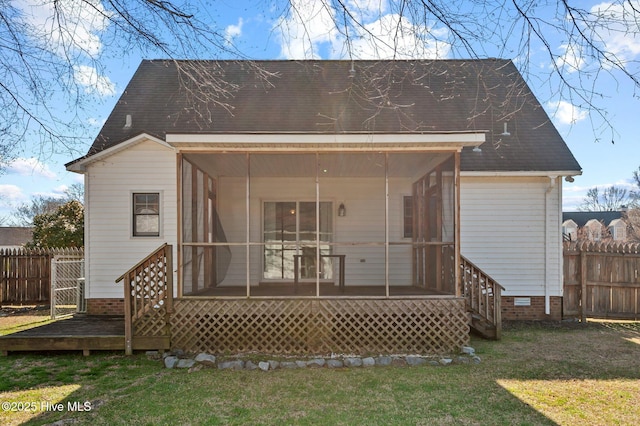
[[503, 231], [146, 167]]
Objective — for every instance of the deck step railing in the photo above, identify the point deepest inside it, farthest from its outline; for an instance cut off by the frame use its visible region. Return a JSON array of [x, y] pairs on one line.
[[148, 300], [483, 295]]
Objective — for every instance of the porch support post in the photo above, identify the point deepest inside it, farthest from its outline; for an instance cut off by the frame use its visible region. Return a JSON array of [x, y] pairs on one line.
[[247, 213], [194, 229], [180, 224], [386, 223], [317, 224], [456, 232]]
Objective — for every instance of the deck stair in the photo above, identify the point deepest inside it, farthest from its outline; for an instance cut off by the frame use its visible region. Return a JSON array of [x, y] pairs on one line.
[[483, 295], [148, 301]]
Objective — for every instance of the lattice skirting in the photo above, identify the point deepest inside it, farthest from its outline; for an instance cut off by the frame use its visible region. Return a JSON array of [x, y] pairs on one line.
[[324, 326]]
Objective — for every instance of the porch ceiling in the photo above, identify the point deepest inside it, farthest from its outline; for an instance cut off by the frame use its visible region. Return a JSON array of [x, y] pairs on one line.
[[370, 164]]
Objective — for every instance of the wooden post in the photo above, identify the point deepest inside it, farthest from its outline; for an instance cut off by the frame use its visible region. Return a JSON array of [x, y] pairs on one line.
[[456, 225], [128, 320], [52, 286], [194, 229], [583, 285], [180, 233], [497, 310], [169, 277]]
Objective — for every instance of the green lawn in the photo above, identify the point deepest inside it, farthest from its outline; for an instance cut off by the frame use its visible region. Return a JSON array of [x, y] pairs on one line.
[[537, 374]]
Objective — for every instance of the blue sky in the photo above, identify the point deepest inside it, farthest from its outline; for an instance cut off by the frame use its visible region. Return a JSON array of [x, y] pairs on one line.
[[260, 33]]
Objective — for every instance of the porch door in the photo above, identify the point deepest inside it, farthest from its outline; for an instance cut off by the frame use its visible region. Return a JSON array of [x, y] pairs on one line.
[[290, 229]]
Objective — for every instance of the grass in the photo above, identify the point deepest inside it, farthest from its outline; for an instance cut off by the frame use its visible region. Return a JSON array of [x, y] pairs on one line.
[[538, 374], [14, 319]]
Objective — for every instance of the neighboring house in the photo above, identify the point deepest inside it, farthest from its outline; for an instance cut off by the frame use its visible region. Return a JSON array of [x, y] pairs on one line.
[[594, 226], [14, 237], [352, 189]]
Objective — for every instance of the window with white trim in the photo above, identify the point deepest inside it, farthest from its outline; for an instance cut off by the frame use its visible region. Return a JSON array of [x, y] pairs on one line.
[[146, 214]]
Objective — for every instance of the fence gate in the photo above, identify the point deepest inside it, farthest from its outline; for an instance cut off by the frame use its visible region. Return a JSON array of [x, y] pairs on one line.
[[67, 286]]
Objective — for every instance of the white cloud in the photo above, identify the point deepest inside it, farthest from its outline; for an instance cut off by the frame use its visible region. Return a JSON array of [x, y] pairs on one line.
[[566, 113], [311, 27], [11, 193], [233, 31], [574, 194], [65, 26], [29, 167], [96, 122], [60, 190], [394, 37], [617, 27], [367, 9], [571, 60], [89, 78]]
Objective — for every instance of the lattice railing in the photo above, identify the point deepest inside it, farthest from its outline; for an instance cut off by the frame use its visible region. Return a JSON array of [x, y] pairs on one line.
[[324, 326], [148, 296], [483, 295]]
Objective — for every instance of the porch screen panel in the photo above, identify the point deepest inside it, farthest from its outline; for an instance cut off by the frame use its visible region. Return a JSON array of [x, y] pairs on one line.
[[448, 229], [187, 230], [434, 229], [355, 182], [280, 220], [283, 194], [290, 230], [406, 205], [206, 254]]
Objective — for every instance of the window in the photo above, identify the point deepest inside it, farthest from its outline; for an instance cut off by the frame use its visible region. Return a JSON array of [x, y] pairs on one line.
[[290, 229], [408, 216], [146, 214]]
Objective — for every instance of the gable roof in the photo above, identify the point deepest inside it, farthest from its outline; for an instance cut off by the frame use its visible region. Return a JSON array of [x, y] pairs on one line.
[[15, 236], [581, 218], [329, 97]]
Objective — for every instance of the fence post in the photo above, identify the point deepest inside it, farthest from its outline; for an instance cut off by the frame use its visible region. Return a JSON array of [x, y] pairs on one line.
[[583, 285], [52, 287]]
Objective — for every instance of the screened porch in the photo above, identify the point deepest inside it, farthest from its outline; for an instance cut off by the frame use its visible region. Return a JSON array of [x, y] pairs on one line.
[[318, 224]]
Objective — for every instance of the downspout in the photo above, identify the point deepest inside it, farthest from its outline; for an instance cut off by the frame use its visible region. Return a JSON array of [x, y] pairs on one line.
[[547, 239]]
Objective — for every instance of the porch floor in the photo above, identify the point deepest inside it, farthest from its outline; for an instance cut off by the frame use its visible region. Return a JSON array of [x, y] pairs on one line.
[[280, 289], [80, 332]]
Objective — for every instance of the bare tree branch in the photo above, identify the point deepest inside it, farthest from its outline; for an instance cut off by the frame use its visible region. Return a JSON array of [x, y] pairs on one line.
[[64, 54]]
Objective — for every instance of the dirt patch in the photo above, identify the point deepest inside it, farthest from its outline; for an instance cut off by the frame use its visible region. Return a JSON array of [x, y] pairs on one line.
[[24, 310], [14, 317], [549, 325]]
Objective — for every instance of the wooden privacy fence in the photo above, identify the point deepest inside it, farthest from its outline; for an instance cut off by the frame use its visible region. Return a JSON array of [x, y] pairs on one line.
[[25, 275], [601, 280]]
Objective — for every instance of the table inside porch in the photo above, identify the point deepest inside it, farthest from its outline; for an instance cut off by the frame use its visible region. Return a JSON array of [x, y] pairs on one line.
[[296, 268]]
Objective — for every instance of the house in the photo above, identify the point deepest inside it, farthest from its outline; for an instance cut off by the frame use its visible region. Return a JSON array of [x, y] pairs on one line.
[[594, 226], [325, 205], [14, 237]]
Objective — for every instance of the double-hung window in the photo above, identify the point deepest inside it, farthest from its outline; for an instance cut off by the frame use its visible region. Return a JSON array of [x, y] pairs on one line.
[[146, 214]]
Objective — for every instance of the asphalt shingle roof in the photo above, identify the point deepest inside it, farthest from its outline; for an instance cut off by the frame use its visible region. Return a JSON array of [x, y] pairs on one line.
[[328, 97], [15, 236], [581, 218]]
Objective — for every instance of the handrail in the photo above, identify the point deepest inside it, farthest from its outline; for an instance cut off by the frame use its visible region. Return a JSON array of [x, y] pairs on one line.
[[148, 287], [483, 294], [137, 265]]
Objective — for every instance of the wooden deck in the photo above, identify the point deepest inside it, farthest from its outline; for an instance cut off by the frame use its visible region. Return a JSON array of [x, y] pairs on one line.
[[82, 332]]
